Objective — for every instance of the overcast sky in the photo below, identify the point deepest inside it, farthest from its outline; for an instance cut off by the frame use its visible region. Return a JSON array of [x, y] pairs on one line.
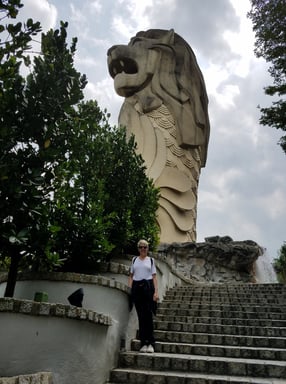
[[242, 190]]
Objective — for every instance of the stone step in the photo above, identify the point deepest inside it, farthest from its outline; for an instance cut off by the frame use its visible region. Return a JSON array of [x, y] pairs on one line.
[[217, 350], [223, 321], [210, 287], [192, 290], [213, 334], [256, 289], [220, 329], [137, 376], [221, 339], [203, 364], [223, 307], [240, 303], [222, 313], [273, 300], [223, 292], [227, 290]]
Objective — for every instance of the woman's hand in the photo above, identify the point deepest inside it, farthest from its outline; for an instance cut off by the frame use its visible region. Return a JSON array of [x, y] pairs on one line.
[[155, 296]]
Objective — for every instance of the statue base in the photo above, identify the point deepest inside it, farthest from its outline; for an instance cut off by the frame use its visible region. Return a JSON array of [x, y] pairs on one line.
[[218, 259]]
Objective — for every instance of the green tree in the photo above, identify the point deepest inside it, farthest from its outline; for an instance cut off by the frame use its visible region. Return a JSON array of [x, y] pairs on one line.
[[104, 201], [269, 24], [13, 48], [31, 115], [280, 264], [71, 187]]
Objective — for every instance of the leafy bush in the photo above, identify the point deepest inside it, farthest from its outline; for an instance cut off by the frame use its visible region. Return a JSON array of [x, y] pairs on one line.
[[280, 264]]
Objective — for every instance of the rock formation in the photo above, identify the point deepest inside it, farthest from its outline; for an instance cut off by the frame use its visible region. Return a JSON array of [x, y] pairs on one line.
[[218, 259]]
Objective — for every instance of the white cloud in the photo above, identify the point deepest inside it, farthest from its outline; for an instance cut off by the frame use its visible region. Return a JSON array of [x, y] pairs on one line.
[[214, 74], [103, 92], [274, 204], [96, 7], [86, 62], [77, 15], [136, 12], [120, 27], [226, 94], [40, 10]]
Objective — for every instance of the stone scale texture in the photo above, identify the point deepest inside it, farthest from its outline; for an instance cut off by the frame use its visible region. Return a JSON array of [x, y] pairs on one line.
[[213, 334]]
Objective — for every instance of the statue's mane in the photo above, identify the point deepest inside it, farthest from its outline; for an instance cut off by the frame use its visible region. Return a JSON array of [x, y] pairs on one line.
[[184, 93]]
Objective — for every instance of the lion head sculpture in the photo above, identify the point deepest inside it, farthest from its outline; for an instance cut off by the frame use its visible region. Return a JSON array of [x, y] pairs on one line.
[[165, 108], [159, 66]]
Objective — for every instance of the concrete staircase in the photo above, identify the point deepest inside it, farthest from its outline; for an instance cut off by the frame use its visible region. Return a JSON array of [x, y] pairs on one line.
[[213, 334]]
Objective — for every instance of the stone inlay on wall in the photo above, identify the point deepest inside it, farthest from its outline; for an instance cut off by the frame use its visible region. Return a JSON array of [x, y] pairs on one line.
[[37, 378], [30, 307], [78, 277]]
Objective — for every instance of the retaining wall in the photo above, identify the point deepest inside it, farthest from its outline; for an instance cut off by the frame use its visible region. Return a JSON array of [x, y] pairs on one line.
[[76, 345]]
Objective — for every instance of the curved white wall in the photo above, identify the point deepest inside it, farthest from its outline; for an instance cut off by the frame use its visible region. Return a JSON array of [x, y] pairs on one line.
[[75, 351]]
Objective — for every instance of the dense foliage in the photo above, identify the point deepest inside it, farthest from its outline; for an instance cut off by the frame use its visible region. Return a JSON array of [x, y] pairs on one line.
[[269, 24], [72, 188], [280, 264], [104, 201]]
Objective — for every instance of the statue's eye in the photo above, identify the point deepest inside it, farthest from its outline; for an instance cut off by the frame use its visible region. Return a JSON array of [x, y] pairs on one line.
[[135, 40]]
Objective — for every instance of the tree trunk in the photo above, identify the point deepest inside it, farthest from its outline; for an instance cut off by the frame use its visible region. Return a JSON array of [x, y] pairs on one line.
[[12, 275]]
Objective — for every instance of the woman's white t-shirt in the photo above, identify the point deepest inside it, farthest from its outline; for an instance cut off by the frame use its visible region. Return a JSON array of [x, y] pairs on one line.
[[142, 269]]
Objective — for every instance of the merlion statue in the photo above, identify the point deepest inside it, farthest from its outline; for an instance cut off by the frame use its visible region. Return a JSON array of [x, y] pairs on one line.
[[165, 108]]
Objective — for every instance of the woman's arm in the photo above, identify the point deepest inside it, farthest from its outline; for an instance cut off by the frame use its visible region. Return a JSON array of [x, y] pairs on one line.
[[155, 282], [130, 280]]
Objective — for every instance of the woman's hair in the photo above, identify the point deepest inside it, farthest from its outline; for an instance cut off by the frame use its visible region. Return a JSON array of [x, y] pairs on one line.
[[142, 242]]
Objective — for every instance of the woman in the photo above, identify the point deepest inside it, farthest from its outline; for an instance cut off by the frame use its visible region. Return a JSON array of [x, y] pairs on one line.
[[144, 291]]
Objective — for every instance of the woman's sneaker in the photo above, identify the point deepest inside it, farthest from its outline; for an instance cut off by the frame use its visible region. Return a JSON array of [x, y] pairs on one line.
[[150, 349], [144, 348]]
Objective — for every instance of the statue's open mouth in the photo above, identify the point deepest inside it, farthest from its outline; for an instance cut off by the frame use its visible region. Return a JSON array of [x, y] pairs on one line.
[[121, 65]]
